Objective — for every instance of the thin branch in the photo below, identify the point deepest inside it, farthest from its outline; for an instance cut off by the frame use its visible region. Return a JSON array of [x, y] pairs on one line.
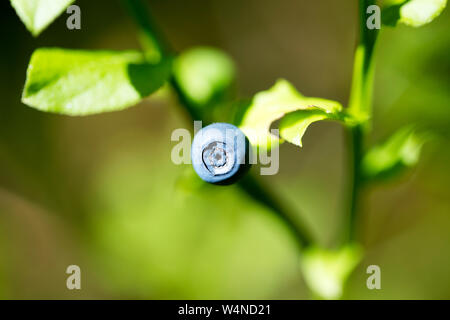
[[250, 184], [360, 106]]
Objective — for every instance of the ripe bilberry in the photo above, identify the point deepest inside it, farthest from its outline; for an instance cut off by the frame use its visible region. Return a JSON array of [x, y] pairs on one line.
[[220, 153]]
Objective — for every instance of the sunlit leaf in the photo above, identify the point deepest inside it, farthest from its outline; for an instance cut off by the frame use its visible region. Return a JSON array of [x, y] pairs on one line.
[[38, 14], [203, 74], [392, 2], [326, 271], [414, 13], [400, 151], [293, 126], [77, 82], [271, 105]]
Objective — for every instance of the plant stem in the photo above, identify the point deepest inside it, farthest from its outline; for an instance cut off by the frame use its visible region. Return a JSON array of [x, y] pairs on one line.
[[153, 42], [360, 106], [355, 156]]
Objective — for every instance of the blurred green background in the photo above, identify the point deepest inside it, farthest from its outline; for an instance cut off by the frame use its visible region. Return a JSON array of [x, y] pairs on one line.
[[101, 192]]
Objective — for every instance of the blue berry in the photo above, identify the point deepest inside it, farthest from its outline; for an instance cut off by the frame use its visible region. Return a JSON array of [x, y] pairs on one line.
[[220, 153]]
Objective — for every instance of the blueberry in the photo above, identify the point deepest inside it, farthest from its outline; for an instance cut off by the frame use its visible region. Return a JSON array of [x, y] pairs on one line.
[[220, 153]]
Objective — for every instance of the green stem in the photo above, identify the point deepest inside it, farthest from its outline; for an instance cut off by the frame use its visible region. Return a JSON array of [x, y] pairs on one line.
[[153, 42], [360, 106], [192, 111], [355, 156]]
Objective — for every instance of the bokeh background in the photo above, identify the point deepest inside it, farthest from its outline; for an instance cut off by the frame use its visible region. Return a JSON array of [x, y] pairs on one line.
[[101, 191]]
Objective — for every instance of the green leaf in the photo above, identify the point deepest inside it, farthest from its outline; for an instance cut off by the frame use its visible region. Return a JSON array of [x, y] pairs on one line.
[[414, 13], [275, 103], [293, 126], [203, 74], [326, 271], [38, 14], [77, 82], [400, 151], [392, 2]]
